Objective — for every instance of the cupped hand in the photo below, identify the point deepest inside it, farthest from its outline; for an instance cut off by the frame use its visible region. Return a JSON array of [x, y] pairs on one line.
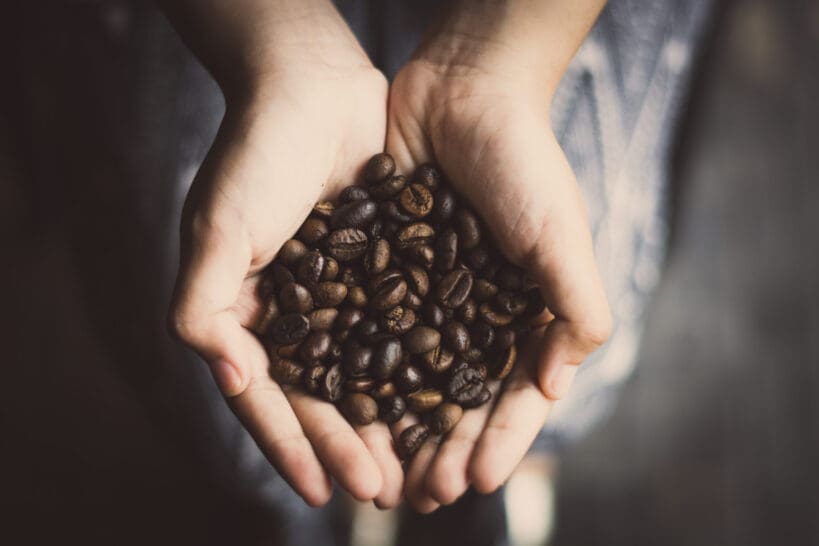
[[490, 134]]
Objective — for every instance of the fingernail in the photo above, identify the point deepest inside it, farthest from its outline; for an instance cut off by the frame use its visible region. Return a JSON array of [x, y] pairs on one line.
[[563, 380], [226, 376]]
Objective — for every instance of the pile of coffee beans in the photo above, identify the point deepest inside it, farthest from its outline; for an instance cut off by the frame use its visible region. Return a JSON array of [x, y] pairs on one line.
[[395, 300]]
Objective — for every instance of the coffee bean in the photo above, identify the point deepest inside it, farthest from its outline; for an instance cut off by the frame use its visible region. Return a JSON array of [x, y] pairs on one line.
[[493, 317], [464, 386], [424, 400], [312, 231], [445, 417], [377, 257], [285, 371], [282, 275], [295, 298], [330, 271], [335, 353], [270, 312], [412, 300], [417, 279], [503, 362], [473, 355], [469, 232], [356, 214], [373, 231], [421, 339], [351, 276], [315, 346], [329, 293], [346, 244], [310, 268], [367, 331], [287, 351], [444, 205], [392, 409], [408, 378], [422, 254], [388, 188], [290, 328], [312, 378], [483, 290], [413, 235], [323, 209], [348, 318], [331, 388], [291, 252], [504, 338], [383, 390], [535, 304], [359, 408], [481, 368], [454, 288], [509, 278], [388, 290], [482, 398], [267, 283], [379, 167], [512, 303], [357, 359], [399, 320], [476, 258], [353, 193], [433, 315], [416, 200], [468, 312], [357, 296], [394, 215], [438, 360], [446, 251], [411, 440], [322, 320], [427, 175], [483, 335], [386, 358], [456, 336], [359, 384]]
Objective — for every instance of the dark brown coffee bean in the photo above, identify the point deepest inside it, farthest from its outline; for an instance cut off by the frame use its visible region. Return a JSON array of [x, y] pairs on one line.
[[267, 283], [424, 400], [270, 312], [315, 346], [389, 188], [386, 358], [329, 294], [469, 232], [446, 251], [427, 175], [330, 271], [313, 230], [510, 278], [535, 304], [438, 360], [282, 275], [393, 214], [483, 290], [359, 384], [312, 378], [335, 353], [468, 312], [295, 298], [367, 331], [399, 320], [413, 235], [456, 336], [310, 268], [357, 296], [482, 369], [383, 390], [331, 384], [359, 408], [351, 276], [476, 258], [377, 257], [388, 290], [454, 288], [433, 314], [291, 252], [412, 300], [356, 214], [417, 279], [483, 335], [445, 417], [473, 355], [465, 385], [322, 320], [408, 378], [353, 193], [444, 205], [416, 200], [285, 371], [421, 339], [373, 231], [411, 440], [504, 338], [423, 255], [349, 317], [482, 398], [287, 351], [346, 244], [357, 359], [512, 303], [493, 317], [379, 167], [503, 362], [392, 409], [290, 328]]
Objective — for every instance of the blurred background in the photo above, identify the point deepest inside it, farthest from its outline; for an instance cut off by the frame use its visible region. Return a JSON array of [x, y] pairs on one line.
[[715, 439]]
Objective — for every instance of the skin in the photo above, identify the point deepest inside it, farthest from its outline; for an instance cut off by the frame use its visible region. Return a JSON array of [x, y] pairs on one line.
[[475, 98]]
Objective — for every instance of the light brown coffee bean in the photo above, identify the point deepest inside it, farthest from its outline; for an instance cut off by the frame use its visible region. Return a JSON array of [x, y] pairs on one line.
[[424, 400], [329, 293], [291, 252], [445, 417]]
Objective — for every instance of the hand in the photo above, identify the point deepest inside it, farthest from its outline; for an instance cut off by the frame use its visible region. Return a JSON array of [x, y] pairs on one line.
[[299, 126], [484, 118]]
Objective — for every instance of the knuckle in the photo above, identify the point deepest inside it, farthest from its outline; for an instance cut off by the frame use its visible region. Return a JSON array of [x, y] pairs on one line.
[[183, 325], [596, 331]]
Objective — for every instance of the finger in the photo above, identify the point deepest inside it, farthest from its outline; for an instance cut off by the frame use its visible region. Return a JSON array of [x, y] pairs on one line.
[[415, 469], [339, 448], [406, 140], [378, 439]]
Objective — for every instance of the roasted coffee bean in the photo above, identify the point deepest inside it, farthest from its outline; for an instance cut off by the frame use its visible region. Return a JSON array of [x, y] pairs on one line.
[[377, 257], [291, 252], [312, 378], [418, 234], [427, 175], [417, 279], [465, 386], [416, 200], [444, 205], [468, 312], [379, 167], [423, 255], [359, 384], [483, 335], [331, 384], [366, 331], [282, 275], [399, 320], [315, 346], [285, 371], [290, 328], [313, 230], [433, 314], [482, 369], [353, 193], [421, 339], [454, 288], [389, 188], [329, 294], [323, 209], [388, 290], [483, 290], [408, 378], [356, 214], [310, 268], [322, 320], [330, 271], [359, 408], [386, 358], [392, 409], [469, 232], [512, 303], [295, 298], [383, 390], [456, 336], [438, 360], [503, 362], [535, 304], [473, 355], [510, 278], [445, 417], [373, 231], [394, 215], [287, 351], [504, 338], [267, 283], [357, 359], [411, 440], [347, 244], [424, 400], [270, 312], [412, 300], [348, 317], [351, 276], [482, 398], [446, 251], [357, 296], [476, 258], [335, 353], [493, 317]]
